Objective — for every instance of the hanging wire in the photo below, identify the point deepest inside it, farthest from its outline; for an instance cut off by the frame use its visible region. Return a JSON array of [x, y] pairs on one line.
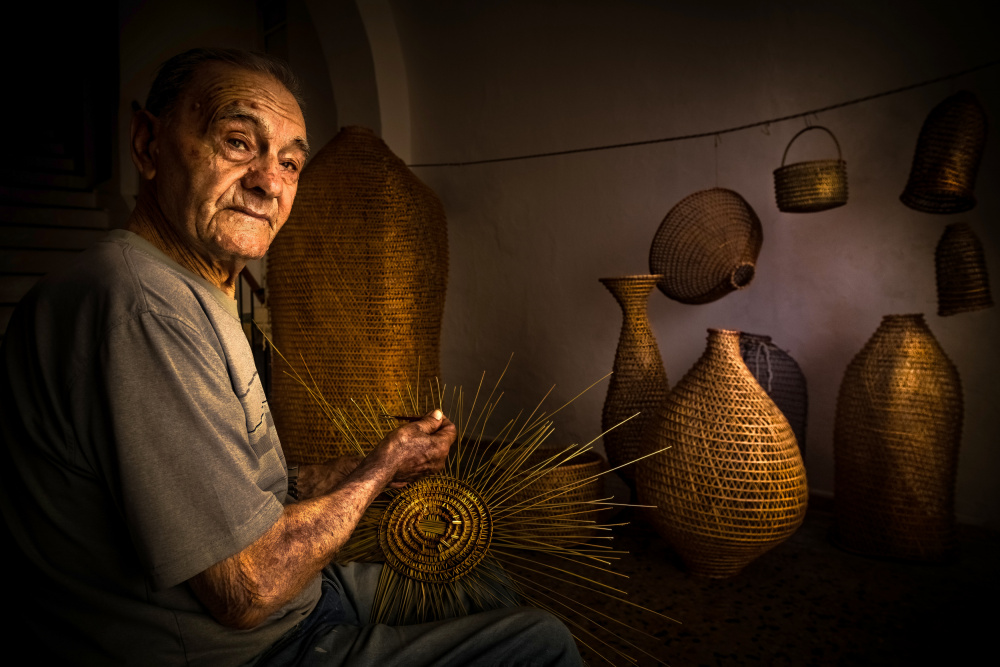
[[738, 128]]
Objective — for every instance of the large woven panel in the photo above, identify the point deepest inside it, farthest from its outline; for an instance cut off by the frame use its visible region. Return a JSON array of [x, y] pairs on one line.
[[356, 287], [895, 445], [732, 485]]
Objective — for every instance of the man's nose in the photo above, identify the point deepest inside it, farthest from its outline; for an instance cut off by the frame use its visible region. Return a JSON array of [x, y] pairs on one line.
[[264, 176]]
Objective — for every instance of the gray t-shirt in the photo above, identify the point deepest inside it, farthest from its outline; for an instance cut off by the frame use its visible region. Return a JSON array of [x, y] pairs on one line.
[[138, 450]]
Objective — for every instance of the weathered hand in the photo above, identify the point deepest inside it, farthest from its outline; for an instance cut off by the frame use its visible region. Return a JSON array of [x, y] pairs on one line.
[[416, 449]]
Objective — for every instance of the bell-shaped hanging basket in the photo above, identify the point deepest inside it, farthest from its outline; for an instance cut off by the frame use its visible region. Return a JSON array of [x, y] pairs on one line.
[[949, 149], [816, 185], [963, 284], [706, 247]]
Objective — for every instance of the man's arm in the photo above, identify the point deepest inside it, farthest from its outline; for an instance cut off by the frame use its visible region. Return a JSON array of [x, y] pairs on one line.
[[317, 479], [244, 589]]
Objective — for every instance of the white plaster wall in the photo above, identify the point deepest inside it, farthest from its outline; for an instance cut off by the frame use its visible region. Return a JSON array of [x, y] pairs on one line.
[[529, 239]]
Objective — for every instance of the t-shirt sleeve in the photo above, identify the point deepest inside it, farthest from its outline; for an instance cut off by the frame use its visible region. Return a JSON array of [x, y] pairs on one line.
[[188, 475]]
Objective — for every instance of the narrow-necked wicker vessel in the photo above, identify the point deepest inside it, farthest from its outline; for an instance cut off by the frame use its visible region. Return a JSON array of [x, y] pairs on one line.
[[896, 438], [732, 486], [947, 158], [356, 285], [811, 186], [706, 247], [639, 381], [963, 283], [781, 377]]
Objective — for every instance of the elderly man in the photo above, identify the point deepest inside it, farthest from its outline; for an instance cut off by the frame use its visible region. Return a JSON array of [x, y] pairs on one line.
[[144, 487]]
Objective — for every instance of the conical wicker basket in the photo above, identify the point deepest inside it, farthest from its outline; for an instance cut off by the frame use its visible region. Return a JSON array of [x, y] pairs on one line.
[[815, 185], [356, 287], [963, 284], [947, 158], [639, 381], [706, 247], [895, 443], [781, 377], [732, 486]]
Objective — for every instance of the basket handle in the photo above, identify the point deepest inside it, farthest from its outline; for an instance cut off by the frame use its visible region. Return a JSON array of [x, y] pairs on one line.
[[840, 155]]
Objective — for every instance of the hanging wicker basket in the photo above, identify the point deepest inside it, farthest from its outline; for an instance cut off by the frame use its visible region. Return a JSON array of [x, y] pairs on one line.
[[947, 158], [706, 247], [816, 185], [963, 284], [781, 377]]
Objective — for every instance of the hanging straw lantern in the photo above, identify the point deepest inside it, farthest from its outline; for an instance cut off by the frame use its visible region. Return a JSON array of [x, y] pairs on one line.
[[816, 185], [781, 377], [896, 438], [706, 247], [947, 158], [963, 284], [356, 285]]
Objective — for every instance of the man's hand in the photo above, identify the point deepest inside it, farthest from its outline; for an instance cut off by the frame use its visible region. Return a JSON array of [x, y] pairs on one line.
[[244, 589]]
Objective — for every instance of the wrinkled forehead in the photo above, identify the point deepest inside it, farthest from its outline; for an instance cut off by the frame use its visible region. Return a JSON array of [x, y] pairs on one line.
[[218, 88]]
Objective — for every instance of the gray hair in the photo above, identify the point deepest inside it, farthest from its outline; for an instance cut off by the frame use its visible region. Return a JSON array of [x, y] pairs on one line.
[[176, 73]]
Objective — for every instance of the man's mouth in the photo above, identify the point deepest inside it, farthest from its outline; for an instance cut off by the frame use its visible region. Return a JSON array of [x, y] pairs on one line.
[[252, 213]]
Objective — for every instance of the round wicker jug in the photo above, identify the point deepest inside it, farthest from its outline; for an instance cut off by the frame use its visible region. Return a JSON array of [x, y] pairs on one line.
[[947, 158], [732, 485], [816, 185], [963, 284], [706, 247], [781, 377], [356, 286], [639, 381], [895, 444]]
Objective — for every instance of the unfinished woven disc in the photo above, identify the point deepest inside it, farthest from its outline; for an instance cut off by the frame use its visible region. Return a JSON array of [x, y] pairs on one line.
[[947, 158], [895, 443], [732, 486], [706, 247], [356, 285], [639, 381], [437, 530], [781, 377], [963, 284]]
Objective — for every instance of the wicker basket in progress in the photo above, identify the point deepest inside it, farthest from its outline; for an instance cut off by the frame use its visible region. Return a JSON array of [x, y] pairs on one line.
[[639, 381], [963, 284], [816, 185], [782, 379], [895, 443], [706, 247], [947, 158], [356, 286], [732, 486]]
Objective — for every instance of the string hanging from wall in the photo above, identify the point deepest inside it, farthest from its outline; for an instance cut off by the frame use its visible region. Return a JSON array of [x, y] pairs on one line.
[[717, 133]]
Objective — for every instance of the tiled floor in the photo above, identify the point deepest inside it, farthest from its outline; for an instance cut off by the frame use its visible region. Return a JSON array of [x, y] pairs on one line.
[[804, 603]]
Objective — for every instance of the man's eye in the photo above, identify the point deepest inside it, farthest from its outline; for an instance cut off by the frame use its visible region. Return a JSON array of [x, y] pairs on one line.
[[238, 144], [290, 166]]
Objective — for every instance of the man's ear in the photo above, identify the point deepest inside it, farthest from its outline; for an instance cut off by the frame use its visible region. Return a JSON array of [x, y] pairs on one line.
[[145, 127]]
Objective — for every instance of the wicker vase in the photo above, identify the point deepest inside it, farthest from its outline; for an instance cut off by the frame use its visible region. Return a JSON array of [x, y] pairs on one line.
[[963, 284], [706, 247], [732, 486], [356, 285], [782, 379], [947, 158], [895, 443], [639, 381]]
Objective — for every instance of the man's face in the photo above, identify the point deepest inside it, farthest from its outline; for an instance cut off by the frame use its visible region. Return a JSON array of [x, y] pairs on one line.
[[228, 158]]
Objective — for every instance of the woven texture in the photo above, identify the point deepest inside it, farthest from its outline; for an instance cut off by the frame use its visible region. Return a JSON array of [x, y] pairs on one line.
[[895, 443], [963, 284], [780, 376], [732, 486], [639, 381], [356, 285], [947, 158], [815, 185], [706, 247]]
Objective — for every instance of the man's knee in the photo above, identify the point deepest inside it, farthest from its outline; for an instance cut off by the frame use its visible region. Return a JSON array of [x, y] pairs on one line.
[[550, 640]]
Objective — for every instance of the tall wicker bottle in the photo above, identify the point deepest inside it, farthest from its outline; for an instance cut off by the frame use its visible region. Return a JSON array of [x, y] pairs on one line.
[[356, 285], [639, 381], [895, 445], [732, 485], [782, 379]]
